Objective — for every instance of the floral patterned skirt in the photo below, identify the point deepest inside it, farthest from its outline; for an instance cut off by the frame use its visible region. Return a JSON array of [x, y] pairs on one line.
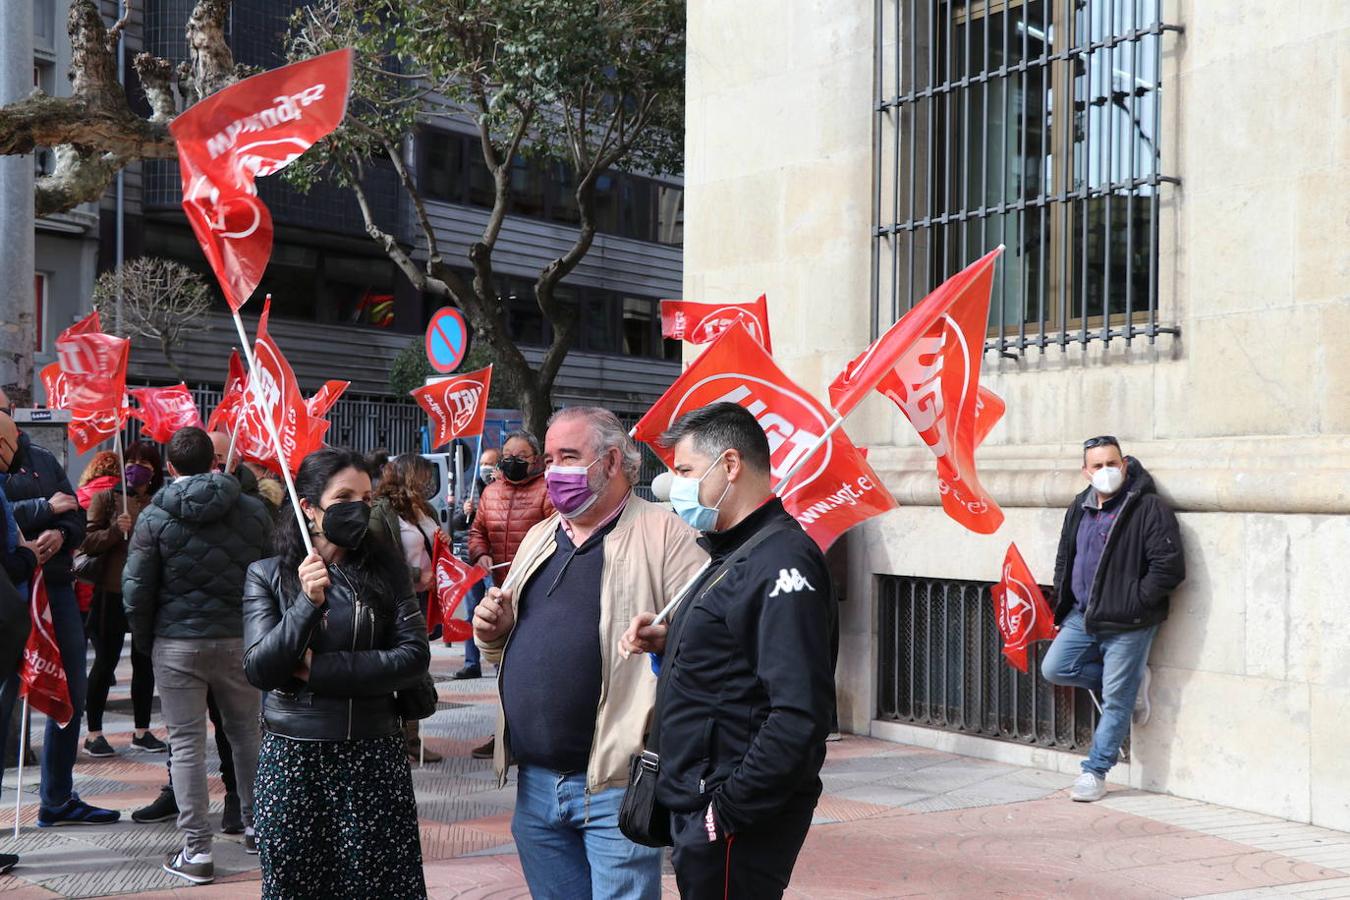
[[337, 819]]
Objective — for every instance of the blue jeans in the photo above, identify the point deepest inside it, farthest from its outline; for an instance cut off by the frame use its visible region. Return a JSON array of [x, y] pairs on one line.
[[571, 849], [476, 593], [1112, 665], [60, 745]]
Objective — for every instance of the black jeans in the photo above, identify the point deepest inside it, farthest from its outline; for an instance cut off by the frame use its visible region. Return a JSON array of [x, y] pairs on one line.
[[754, 864], [106, 626]]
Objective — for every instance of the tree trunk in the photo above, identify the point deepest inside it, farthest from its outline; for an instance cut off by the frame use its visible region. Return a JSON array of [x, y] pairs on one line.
[[536, 406]]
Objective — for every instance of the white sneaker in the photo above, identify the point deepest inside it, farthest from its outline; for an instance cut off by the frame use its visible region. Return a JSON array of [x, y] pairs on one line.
[[1143, 707], [1087, 788]]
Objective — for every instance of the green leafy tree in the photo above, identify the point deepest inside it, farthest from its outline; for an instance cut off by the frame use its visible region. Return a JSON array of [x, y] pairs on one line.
[[410, 369]]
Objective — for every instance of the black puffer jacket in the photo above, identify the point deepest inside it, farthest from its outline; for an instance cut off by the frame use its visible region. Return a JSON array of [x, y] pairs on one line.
[[363, 652], [746, 691], [1140, 566], [34, 475], [191, 548]]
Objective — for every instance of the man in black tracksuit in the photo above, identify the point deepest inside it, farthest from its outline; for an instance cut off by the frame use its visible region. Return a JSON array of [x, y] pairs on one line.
[[746, 691], [1119, 558]]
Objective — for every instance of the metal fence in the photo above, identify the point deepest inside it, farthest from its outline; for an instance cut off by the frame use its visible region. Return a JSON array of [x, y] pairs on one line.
[[1036, 124], [941, 666]]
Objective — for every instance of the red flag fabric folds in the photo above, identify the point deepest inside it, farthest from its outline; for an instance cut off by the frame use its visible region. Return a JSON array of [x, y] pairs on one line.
[[928, 364], [236, 382], [165, 410], [86, 430], [454, 579], [319, 405], [253, 128], [835, 490], [92, 383], [700, 322], [273, 395], [42, 677], [1020, 609], [457, 405]]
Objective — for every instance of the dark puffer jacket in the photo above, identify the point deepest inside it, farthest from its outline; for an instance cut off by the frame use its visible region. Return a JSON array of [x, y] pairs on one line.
[[184, 576], [1140, 565], [506, 510], [34, 475]]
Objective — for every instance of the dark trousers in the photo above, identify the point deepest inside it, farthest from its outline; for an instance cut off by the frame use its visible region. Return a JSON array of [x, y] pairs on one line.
[[106, 625], [223, 749], [754, 864]]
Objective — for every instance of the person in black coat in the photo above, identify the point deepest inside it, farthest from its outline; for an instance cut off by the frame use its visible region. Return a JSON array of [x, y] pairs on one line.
[[745, 698], [330, 636], [1119, 558]]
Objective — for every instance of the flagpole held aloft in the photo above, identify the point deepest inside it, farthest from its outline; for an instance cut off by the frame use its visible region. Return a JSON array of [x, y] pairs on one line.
[[805, 457], [121, 468]]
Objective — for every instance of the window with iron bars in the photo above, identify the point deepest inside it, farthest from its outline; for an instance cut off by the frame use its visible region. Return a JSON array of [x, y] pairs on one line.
[[940, 665], [1035, 124]]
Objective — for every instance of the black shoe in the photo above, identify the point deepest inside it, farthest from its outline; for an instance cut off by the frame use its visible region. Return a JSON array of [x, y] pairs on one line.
[[486, 750], [250, 843], [98, 747], [467, 672], [149, 743], [232, 820], [164, 808], [7, 862]]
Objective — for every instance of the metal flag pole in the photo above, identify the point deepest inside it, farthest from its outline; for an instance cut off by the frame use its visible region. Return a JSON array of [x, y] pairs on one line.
[[18, 783], [459, 484], [276, 440]]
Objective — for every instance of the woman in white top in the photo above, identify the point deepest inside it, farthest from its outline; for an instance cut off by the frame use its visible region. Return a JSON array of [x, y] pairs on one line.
[[407, 482]]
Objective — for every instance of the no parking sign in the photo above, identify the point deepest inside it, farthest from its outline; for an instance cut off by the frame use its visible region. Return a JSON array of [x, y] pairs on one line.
[[447, 340]]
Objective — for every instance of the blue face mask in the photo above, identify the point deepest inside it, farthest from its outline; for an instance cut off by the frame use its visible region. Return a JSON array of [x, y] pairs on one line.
[[684, 498]]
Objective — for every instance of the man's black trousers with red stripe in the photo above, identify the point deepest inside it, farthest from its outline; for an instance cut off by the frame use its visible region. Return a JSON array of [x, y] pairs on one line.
[[754, 864]]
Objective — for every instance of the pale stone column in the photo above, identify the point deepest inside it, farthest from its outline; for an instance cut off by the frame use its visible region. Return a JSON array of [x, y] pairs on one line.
[[16, 211]]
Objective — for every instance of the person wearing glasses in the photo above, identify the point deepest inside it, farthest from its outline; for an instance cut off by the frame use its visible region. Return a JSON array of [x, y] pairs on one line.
[[1119, 558]]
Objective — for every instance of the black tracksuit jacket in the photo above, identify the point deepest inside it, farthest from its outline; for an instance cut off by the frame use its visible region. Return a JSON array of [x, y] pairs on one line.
[[746, 692], [1141, 564]]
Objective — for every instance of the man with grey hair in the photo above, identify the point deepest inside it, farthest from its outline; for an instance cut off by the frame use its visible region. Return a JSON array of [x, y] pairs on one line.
[[574, 710]]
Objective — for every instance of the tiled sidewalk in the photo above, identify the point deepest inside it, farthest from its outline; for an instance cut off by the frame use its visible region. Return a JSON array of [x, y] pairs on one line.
[[895, 821]]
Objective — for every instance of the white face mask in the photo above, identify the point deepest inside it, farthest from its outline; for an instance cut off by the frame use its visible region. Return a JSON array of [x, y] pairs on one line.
[[1107, 480]]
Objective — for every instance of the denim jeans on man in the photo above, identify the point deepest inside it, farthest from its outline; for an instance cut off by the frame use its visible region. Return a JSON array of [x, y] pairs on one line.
[[184, 669], [1111, 665], [59, 745], [476, 593], [570, 845]]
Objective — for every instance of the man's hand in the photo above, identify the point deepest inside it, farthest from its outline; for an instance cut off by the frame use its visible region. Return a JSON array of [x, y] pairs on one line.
[[468, 507], [494, 615], [124, 525], [36, 550], [314, 581], [49, 543], [643, 637], [485, 563], [61, 503]]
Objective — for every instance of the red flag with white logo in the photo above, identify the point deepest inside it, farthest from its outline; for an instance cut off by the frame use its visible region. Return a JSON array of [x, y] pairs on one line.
[[42, 677], [835, 490], [90, 381], [271, 394], [928, 364], [253, 128], [457, 405], [1020, 609], [323, 400], [701, 322], [227, 410], [454, 579], [165, 410], [86, 430]]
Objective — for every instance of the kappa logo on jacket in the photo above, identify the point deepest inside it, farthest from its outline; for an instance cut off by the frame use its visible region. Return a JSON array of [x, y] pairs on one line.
[[790, 581]]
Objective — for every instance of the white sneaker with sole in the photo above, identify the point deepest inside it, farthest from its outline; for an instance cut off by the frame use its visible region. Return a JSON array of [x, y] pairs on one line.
[[1087, 788], [198, 868], [1143, 707]]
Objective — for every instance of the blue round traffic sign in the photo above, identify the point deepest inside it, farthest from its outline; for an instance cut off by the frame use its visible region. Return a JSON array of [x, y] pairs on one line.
[[447, 340]]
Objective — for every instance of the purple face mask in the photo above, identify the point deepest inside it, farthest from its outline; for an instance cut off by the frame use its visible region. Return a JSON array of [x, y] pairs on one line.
[[569, 489], [136, 476]]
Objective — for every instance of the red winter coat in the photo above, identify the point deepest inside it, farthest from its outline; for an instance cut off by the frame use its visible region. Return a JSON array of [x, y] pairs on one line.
[[506, 510]]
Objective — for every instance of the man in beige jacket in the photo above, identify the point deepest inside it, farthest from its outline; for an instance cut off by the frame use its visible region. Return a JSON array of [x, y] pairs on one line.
[[573, 710]]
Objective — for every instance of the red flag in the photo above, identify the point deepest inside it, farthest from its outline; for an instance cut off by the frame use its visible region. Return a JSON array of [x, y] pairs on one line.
[[42, 678], [165, 410], [835, 490], [253, 128], [272, 394], [457, 405], [928, 363], [86, 430], [1021, 611], [89, 380], [700, 322], [236, 382], [454, 578], [319, 405]]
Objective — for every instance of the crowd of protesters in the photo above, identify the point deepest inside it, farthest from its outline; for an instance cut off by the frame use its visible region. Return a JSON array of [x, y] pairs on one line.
[[693, 642]]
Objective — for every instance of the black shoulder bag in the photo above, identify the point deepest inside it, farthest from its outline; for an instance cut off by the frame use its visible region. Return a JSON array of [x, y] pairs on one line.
[[642, 817], [418, 700]]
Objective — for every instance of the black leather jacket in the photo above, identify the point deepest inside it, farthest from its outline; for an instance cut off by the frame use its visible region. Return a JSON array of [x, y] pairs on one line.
[[361, 656]]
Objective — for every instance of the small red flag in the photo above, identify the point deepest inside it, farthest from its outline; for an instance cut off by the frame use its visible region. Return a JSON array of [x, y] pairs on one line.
[[454, 579], [253, 128], [319, 405], [457, 405], [86, 430], [1020, 609], [272, 394], [165, 410], [42, 677], [700, 322], [90, 381]]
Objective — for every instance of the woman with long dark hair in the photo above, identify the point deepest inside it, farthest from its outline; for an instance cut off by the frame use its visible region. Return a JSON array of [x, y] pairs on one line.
[[330, 636], [106, 537]]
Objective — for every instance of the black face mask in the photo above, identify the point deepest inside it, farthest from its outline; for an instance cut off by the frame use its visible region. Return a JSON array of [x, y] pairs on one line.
[[346, 524], [513, 468]]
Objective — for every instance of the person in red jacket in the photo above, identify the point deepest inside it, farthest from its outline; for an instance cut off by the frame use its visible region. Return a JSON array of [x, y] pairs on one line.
[[509, 507]]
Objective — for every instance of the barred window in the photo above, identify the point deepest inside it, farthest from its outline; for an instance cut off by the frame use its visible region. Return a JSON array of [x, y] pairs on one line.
[[1029, 123]]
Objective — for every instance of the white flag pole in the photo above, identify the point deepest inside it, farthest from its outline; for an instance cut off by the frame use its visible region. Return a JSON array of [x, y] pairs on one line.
[[276, 440], [802, 460], [121, 466], [18, 783], [234, 438], [477, 464]]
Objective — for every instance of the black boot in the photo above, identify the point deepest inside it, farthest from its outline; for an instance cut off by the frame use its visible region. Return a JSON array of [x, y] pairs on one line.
[[232, 820]]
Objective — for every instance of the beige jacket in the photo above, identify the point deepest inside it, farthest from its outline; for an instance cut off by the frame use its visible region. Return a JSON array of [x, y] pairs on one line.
[[649, 556]]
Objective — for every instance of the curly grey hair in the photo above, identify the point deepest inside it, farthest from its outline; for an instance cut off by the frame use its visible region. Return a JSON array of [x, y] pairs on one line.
[[608, 432]]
